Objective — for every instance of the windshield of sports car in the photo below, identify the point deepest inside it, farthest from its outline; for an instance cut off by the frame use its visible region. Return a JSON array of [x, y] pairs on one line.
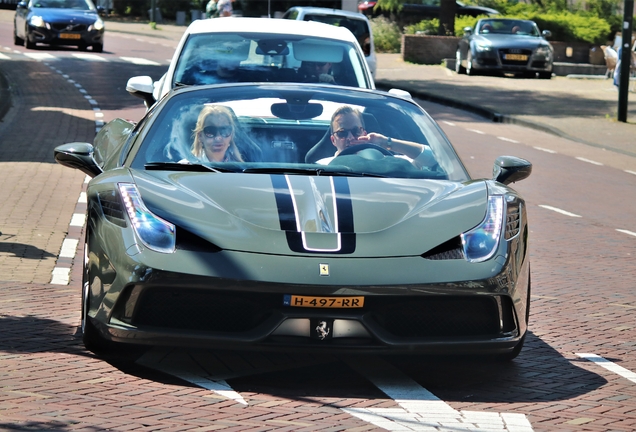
[[293, 129], [509, 27], [215, 58], [62, 4]]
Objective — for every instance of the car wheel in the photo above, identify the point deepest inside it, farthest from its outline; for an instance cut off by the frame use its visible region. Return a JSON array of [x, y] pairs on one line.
[[98, 48], [91, 338], [28, 43], [458, 63], [16, 39], [469, 65], [545, 75]]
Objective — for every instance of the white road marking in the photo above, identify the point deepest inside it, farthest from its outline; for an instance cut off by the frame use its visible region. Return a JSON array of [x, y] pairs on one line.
[[69, 246], [588, 161], [78, 220], [477, 131], [626, 232], [545, 150], [40, 56], [60, 276], [630, 172], [140, 61], [558, 210], [610, 366], [508, 139], [421, 409], [448, 123], [4, 57], [90, 57]]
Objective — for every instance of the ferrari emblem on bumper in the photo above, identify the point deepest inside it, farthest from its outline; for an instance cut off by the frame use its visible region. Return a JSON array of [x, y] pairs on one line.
[[324, 269]]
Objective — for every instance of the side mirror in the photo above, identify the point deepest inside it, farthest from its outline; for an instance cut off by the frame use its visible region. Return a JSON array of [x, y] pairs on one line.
[[401, 93], [546, 33], [21, 5], [142, 87], [468, 31], [77, 155], [510, 169]]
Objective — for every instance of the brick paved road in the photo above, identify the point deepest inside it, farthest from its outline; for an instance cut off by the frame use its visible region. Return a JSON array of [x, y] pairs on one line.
[[583, 274]]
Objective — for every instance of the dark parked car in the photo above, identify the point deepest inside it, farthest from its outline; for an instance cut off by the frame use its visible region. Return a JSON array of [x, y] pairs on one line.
[[273, 246], [418, 10], [58, 22], [505, 46]]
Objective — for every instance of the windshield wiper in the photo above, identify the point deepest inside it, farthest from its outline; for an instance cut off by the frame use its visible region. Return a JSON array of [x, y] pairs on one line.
[[174, 166], [308, 171]]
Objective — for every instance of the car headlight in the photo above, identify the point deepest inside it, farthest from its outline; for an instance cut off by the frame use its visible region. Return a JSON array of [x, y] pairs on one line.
[[543, 50], [483, 46], [97, 25], [37, 21], [154, 232], [481, 242]]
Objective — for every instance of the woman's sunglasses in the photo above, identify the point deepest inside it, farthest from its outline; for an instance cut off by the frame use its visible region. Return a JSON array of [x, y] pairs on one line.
[[212, 131], [343, 133]]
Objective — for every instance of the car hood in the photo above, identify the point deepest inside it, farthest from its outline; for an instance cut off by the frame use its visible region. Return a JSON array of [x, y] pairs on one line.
[[295, 214], [508, 41], [66, 16]]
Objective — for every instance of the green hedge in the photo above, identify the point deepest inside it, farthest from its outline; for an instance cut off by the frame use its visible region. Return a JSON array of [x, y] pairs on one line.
[[565, 26]]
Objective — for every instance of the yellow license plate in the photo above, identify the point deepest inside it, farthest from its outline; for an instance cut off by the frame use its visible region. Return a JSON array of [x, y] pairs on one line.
[[518, 57], [70, 36], [323, 302]]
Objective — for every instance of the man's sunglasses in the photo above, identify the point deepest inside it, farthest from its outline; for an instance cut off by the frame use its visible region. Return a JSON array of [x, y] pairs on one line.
[[344, 133], [212, 131]]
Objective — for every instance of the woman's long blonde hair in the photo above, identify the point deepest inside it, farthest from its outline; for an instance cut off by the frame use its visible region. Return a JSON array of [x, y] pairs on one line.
[[232, 152]]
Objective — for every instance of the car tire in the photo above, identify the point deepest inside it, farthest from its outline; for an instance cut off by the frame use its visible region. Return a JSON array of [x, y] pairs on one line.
[[458, 63], [98, 48], [545, 75], [28, 43], [91, 337], [17, 40], [469, 65]]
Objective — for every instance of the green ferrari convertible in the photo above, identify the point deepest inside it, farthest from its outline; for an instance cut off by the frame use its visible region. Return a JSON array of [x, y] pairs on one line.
[[303, 216]]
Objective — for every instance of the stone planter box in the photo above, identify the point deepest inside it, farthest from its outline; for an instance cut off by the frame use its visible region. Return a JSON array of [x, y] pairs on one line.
[[425, 49]]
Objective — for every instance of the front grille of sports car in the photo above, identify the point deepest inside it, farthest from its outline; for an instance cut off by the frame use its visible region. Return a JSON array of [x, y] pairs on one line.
[[203, 310], [421, 317], [444, 316], [69, 27]]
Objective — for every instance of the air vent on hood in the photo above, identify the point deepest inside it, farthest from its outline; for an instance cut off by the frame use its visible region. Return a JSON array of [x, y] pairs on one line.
[[513, 220], [192, 242], [112, 207], [452, 249]]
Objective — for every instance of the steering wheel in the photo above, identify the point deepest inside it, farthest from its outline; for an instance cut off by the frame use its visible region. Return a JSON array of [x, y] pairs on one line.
[[359, 147]]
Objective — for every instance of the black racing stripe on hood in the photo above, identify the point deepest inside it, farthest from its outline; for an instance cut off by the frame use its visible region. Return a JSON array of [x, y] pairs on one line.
[[287, 216]]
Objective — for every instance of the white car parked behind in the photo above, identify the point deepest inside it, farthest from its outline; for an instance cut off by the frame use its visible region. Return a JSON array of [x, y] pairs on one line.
[[236, 49]]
